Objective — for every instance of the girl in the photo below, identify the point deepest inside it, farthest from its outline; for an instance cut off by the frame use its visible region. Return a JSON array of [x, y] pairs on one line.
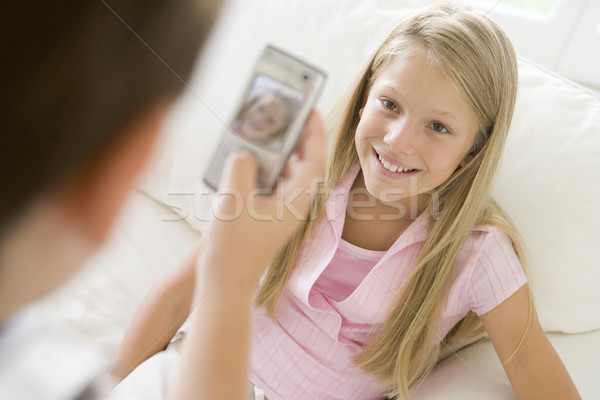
[[406, 252]]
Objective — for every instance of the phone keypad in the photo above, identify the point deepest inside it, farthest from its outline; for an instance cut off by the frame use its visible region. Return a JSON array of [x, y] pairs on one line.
[[215, 172]]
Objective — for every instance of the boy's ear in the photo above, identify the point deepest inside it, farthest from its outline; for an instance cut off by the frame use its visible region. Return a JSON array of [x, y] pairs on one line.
[[95, 197]]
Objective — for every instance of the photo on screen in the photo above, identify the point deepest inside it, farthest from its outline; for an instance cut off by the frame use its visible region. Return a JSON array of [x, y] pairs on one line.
[[268, 109]]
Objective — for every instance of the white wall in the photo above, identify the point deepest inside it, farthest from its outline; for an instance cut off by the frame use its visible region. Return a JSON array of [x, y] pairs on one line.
[[566, 39]]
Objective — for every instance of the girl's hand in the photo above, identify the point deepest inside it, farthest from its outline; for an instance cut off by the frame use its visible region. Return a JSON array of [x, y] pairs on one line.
[[250, 226]]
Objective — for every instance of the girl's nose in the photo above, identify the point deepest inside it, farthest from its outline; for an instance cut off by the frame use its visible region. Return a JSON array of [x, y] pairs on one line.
[[402, 136]]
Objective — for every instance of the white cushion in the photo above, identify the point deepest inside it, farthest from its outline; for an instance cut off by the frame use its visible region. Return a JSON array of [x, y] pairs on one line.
[[476, 372], [549, 182]]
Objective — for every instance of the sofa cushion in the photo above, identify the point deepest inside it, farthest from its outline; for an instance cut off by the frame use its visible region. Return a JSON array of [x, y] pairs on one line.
[[475, 372], [549, 183]]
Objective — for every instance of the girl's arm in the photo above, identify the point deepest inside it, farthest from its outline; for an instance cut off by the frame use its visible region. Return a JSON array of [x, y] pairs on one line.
[[159, 316], [536, 371]]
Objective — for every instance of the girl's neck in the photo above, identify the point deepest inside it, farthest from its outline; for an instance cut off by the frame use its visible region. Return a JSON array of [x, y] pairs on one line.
[[373, 224]]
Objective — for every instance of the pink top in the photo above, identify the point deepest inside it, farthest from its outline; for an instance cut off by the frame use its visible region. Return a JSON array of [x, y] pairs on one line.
[[349, 266], [326, 316]]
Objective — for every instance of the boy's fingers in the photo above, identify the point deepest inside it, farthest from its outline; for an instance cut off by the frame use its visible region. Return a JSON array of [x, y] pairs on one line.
[[240, 173], [312, 147], [309, 158], [241, 169]]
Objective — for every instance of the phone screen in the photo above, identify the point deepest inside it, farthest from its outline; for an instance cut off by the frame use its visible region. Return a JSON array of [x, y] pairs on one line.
[[266, 112], [270, 117]]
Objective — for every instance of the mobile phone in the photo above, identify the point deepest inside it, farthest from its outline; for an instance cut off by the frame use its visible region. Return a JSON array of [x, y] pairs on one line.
[[270, 118]]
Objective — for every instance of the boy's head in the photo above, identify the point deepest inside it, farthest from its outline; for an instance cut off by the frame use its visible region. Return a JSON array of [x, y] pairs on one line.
[[76, 72], [85, 87]]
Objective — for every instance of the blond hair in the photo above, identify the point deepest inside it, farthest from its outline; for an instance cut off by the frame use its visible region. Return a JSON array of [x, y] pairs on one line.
[[478, 59]]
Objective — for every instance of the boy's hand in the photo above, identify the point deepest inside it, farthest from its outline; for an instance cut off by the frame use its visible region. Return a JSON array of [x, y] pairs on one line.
[[250, 226]]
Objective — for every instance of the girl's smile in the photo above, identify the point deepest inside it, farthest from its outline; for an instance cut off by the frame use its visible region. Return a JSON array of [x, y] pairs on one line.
[[391, 168], [414, 132]]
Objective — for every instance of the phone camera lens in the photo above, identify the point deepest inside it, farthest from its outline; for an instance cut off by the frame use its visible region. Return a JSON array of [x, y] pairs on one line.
[[305, 77]]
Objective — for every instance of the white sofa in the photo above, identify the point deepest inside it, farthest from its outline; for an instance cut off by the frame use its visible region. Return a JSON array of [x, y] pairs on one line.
[[549, 183]]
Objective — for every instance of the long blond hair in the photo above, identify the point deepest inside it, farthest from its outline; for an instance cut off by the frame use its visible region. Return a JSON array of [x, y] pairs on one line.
[[477, 57]]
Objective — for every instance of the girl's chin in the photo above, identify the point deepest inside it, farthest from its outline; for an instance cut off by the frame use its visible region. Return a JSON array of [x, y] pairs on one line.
[[386, 194]]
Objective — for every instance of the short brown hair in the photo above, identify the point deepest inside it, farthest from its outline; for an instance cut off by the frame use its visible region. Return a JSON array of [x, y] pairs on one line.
[[75, 71]]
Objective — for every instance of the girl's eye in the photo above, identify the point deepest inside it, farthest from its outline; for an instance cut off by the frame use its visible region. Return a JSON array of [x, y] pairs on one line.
[[389, 105], [436, 126]]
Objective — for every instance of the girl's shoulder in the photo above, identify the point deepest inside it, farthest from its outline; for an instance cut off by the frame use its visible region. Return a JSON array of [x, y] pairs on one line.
[[490, 232], [492, 237], [491, 269], [489, 242]]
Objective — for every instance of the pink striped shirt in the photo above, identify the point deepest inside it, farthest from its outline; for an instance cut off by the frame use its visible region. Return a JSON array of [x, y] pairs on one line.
[[306, 353]]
